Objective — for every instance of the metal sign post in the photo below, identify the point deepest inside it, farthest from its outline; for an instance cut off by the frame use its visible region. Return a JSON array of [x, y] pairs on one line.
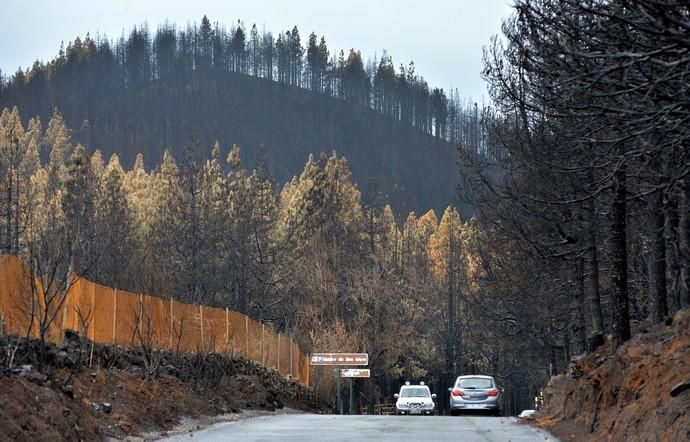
[[353, 373], [352, 408], [343, 359]]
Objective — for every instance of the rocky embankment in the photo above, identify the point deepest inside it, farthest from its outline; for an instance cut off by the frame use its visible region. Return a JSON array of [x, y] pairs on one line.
[[640, 392], [86, 391]]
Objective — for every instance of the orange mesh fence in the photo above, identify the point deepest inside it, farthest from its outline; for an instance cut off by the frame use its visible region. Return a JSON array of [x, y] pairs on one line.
[[237, 332], [103, 313], [186, 330], [284, 364], [268, 340], [16, 309], [255, 345], [69, 315], [84, 295], [113, 316], [126, 311], [62, 320], [214, 330], [159, 319], [272, 348], [48, 307], [294, 359]]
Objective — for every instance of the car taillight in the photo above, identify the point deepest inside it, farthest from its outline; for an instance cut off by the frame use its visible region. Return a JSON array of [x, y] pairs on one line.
[[492, 392], [457, 392]]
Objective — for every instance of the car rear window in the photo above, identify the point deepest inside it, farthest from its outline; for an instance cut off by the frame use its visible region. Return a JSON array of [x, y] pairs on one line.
[[414, 392], [475, 383]]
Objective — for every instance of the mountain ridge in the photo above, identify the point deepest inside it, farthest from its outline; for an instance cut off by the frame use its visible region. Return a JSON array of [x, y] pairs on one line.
[[148, 95]]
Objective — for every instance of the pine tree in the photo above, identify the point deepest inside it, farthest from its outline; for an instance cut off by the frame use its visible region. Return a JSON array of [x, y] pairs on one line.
[[167, 200], [238, 245], [296, 52], [254, 52], [137, 186], [239, 53], [12, 150], [313, 63], [115, 229], [79, 206], [57, 138], [205, 59]]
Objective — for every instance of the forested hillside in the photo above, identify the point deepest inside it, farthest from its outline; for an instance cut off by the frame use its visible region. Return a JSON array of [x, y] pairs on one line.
[[317, 258], [180, 89], [580, 181]]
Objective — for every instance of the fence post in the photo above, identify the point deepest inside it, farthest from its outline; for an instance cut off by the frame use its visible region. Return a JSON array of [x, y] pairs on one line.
[[291, 345], [201, 322], [93, 312], [64, 315], [172, 325], [227, 329], [263, 328], [278, 352], [141, 314], [114, 316], [305, 361], [246, 334]]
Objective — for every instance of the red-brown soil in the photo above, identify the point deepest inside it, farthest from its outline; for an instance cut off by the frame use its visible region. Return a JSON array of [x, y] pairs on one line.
[[111, 398], [626, 395]]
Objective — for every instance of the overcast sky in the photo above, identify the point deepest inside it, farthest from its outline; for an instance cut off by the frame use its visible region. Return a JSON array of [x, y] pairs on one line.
[[444, 38]]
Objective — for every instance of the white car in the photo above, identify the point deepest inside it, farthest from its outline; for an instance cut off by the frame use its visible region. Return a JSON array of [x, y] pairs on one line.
[[415, 399]]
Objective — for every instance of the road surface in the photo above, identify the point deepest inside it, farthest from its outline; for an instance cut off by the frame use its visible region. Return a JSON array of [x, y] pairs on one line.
[[327, 428]]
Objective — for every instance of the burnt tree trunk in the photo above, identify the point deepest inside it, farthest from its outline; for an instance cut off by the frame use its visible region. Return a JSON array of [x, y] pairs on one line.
[[619, 265], [596, 337], [684, 236], [581, 326], [658, 263], [672, 237]]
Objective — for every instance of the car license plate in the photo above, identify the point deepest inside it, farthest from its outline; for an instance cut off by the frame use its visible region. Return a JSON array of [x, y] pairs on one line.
[[475, 406], [416, 411]]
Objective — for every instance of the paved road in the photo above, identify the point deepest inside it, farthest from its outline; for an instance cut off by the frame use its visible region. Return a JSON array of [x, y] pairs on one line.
[[331, 428]]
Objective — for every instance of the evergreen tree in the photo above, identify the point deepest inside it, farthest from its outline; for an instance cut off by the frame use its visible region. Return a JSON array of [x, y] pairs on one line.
[[115, 229], [79, 205]]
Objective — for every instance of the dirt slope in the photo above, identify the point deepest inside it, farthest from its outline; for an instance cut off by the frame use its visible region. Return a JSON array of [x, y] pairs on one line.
[[626, 395], [68, 400]]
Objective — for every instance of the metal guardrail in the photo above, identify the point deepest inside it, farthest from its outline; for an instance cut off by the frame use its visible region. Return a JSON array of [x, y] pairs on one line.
[[384, 409]]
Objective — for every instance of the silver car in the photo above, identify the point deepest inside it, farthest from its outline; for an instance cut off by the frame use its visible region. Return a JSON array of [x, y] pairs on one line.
[[476, 393]]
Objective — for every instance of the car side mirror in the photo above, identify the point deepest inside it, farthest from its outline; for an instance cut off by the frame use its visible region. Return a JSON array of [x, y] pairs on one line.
[[433, 396], [396, 395]]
